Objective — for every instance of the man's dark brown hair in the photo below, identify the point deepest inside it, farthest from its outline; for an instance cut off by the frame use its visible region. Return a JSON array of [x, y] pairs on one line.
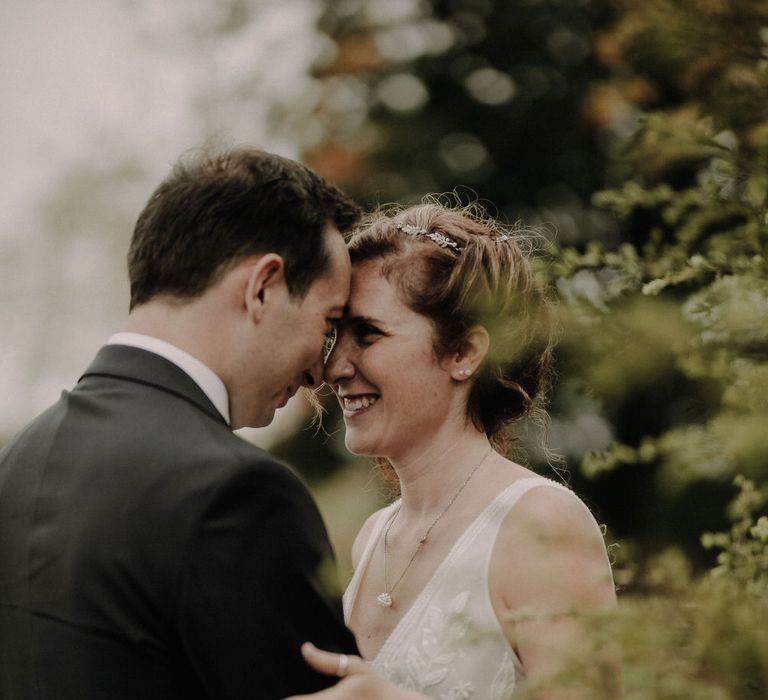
[[214, 210]]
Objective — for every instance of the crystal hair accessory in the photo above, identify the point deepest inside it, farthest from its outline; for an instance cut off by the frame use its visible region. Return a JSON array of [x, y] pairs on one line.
[[411, 230], [435, 236]]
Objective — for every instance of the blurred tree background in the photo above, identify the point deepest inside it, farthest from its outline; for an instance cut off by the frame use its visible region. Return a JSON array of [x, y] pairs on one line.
[[634, 134]]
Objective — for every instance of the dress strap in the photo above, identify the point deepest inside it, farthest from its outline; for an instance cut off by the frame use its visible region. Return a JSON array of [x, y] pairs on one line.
[[481, 534], [507, 498]]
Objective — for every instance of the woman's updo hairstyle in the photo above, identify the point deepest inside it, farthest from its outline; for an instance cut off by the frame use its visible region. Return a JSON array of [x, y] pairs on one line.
[[484, 278]]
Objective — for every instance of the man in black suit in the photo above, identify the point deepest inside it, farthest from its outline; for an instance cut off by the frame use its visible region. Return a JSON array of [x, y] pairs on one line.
[[146, 551]]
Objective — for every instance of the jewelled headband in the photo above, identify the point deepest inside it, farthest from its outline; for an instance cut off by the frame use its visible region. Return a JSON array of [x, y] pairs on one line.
[[436, 236], [442, 239]]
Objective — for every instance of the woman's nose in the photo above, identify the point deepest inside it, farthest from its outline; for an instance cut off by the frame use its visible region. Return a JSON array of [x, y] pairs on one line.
[[338, 365]]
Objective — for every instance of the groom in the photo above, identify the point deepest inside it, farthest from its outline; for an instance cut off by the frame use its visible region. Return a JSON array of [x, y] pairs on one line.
[[146, 551]]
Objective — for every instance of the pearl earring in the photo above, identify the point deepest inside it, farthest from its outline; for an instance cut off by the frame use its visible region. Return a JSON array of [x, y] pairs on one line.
[[465, 372]]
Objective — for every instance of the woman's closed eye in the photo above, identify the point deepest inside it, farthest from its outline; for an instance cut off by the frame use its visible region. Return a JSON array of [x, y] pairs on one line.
[[361, 332], [365, 333]]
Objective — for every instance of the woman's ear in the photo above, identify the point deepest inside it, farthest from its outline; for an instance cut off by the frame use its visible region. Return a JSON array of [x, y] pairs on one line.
[[265, 277], [464, 363]]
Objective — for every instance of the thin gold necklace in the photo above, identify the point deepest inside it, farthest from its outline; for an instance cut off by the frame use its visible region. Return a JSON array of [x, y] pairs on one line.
[[385, 599]]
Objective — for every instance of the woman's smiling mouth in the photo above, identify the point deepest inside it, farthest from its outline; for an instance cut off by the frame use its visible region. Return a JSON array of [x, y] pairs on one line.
[[354, 405]]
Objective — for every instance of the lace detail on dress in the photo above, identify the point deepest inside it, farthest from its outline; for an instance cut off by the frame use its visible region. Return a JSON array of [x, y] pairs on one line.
[[434, 651], [504, 682]]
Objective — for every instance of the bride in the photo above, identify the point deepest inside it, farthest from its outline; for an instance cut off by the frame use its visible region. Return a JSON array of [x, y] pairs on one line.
[[446, 345]]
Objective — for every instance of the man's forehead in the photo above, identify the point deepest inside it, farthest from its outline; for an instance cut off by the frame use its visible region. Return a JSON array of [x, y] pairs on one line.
[[339, 275]]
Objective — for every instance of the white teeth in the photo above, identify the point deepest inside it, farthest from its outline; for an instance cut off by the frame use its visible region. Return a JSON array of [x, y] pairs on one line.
[[358, 403]]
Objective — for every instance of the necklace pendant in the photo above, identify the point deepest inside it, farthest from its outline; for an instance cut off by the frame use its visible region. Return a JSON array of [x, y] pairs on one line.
[[384, 599]]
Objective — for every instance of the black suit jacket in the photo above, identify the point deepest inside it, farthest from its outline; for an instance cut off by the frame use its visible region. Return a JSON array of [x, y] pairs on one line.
[[148, 553]]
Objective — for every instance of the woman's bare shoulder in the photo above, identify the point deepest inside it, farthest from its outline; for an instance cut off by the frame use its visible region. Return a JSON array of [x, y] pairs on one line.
[[550, 511], [553, 543]]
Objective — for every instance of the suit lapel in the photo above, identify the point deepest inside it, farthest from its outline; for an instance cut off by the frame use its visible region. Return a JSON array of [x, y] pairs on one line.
[[144, 367]]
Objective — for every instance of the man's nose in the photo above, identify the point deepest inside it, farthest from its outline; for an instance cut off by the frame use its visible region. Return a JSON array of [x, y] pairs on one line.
[[313, 376]]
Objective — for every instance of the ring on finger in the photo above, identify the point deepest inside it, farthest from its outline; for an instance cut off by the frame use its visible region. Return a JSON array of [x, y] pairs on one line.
[[343, 668]]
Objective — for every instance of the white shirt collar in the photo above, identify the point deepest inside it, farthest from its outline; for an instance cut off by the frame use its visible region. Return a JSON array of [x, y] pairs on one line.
[[202, 375]]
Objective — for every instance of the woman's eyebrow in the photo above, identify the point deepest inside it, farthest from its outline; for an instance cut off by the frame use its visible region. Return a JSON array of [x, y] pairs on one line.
[[363, 319]]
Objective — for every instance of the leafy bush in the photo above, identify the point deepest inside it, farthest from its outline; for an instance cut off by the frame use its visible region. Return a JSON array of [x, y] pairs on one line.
[[683, 637]]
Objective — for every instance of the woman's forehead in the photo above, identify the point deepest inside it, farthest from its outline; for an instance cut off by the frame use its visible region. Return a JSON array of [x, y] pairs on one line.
[[374, 296], [370, 289]]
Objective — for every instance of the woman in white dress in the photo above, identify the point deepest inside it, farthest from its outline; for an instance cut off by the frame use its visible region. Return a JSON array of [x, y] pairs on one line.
[[446, 345]]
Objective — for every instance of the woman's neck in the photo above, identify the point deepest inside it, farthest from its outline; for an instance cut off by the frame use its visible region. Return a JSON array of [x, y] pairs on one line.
[[430, 476]]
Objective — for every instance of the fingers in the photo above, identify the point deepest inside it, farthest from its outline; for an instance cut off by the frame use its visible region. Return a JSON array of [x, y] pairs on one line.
[[330, 663], [362, 683]]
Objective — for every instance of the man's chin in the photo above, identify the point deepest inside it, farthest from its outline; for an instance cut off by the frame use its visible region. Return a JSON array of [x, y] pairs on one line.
[[266, 414], [264, 420], [260, 421]]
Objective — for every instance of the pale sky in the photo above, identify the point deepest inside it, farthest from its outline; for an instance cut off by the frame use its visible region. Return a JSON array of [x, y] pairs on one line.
[[72, 74]]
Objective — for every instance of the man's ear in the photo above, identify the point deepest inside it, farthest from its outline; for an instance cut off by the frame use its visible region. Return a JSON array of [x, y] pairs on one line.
[[464, 363], [265, 277]]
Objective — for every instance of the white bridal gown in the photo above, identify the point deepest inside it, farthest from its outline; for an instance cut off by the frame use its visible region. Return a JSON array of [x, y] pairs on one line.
[[449, 645]]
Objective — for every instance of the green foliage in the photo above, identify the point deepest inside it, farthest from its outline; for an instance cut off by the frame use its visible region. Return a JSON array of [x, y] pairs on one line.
[[743, 559], [678, 636], [684, 302], [707, 637], [681, 315]]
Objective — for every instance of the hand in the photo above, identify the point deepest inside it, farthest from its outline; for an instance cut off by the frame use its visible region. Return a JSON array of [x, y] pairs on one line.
[[359, 681]]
